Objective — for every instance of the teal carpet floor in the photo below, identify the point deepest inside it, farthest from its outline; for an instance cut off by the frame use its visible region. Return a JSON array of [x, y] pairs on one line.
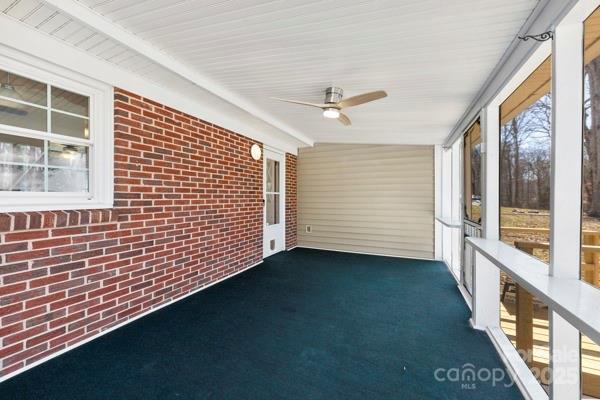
[[305, 324]]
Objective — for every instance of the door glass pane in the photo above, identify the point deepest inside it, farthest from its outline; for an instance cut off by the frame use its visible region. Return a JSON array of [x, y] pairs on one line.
[[525, 139], [22, 115], [272, 209], [524, 320], [476, 182], [70, 102], [590, 196], [19, 178], [20, 88], [272, 176]]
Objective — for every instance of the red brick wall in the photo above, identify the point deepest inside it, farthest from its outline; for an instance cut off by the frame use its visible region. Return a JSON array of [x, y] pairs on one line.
[[188, 211], [291, 239]]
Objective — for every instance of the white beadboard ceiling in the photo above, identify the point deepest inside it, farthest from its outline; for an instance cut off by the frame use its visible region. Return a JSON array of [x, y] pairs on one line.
[[431, 56]]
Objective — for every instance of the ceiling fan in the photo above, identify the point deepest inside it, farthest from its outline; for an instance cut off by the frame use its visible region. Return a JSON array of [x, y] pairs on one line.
[[334, 102]]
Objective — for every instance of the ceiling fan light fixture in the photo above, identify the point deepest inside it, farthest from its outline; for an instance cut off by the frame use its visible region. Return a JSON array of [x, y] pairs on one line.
[[331, 113], [335, 103]]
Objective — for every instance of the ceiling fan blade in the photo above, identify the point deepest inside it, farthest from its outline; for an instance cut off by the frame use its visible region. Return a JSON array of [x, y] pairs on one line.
[[362, 98], [343, 118], [303, 103]]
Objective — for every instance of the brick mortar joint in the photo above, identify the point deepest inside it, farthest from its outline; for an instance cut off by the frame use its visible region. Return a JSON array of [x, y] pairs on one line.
[[33, 220]]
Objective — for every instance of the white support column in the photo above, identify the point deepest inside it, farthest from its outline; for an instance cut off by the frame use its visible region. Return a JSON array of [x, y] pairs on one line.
[[490, 130], [565, 359], [456, 208], [439, 201], [565, 203], [567, 125], [486, 308]]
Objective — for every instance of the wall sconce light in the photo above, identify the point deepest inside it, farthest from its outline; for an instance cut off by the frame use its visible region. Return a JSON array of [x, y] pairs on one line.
[[255, 152]]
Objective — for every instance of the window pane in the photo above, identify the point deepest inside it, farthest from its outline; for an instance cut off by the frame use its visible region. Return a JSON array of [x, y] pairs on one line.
[[20, 88], [590, 368], [524, 320], [272, 176], [476, 182], [70, 102], [70, 126], [590, 271], [21, 149], [472, 177], [590, 196], [22, 116], [525, 139], [272, 209], [67, 180], [17, 178], [67, 155]]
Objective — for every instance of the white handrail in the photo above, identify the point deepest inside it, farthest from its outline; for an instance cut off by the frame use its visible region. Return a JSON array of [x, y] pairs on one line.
[[576, 301]]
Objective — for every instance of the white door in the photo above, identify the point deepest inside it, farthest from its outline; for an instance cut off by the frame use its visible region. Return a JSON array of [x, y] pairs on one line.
[[274, 201]]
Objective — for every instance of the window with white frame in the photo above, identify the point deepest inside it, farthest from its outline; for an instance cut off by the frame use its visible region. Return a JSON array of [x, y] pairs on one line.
[[55, 139]]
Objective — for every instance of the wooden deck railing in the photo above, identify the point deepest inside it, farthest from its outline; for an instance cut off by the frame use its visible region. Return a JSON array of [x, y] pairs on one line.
[[590, 260], [524, 301]]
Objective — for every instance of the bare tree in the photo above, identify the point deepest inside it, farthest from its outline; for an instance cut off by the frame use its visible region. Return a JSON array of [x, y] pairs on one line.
[[592, 137], [514, 135]]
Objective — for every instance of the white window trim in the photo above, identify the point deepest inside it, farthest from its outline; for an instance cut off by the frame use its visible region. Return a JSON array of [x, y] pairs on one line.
[[101, 164]]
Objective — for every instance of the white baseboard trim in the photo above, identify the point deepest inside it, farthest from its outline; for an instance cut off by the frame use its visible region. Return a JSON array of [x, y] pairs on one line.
[[466, 295], [366, 253], [519, 371], [476, 327], [461, 288], [112, 328], [291, 248]]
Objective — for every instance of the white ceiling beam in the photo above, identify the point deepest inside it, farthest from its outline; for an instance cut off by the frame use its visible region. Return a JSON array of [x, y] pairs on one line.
[[99, 23]]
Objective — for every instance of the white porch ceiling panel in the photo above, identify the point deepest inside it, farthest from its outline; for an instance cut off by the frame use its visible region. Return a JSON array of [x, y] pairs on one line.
[[431, 56]]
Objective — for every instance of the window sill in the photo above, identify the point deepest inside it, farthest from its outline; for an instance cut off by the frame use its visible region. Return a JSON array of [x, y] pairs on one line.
[[59, 201], [57, 207]]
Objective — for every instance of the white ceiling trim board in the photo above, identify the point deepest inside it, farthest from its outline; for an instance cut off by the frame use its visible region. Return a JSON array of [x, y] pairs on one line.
[[546, 14], [92, 19], [15, 36], [230, 57]]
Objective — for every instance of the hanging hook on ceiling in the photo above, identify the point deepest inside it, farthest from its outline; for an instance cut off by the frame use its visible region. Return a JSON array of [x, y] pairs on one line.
[[542, 37]]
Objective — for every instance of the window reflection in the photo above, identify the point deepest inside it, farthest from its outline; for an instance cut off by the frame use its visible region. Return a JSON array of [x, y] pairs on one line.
[[25, 167], [22, 89]]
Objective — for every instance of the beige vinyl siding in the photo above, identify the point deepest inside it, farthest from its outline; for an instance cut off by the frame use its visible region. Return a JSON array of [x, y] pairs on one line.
[[367, 198]]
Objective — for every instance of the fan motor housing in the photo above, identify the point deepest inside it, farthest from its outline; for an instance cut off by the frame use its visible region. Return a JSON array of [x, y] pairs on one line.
[[333, 95]]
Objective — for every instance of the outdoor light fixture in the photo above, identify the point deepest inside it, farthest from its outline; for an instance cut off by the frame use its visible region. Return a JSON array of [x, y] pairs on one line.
[[331, 113], [255, 152]]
